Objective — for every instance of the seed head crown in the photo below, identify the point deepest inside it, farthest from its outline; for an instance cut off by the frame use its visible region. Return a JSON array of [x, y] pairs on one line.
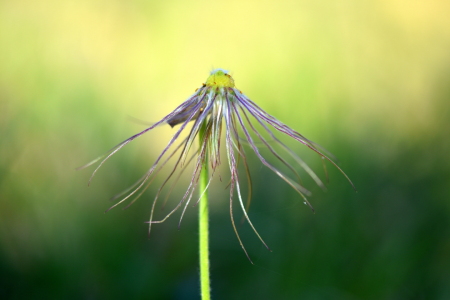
[[220, 78]]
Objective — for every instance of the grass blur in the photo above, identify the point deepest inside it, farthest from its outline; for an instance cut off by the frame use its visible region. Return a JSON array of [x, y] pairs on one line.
[[369, 81]]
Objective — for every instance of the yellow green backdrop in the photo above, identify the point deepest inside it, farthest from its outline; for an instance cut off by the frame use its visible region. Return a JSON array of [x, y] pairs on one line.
[[368, 80]]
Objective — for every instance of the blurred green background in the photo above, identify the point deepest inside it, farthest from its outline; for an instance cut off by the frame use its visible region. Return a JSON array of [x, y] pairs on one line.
[[368, 80]]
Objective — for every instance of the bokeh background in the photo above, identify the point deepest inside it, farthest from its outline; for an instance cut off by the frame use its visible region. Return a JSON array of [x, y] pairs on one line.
[[368, 80]]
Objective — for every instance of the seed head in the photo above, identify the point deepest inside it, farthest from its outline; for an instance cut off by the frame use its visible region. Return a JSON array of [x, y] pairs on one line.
[[217, 104]]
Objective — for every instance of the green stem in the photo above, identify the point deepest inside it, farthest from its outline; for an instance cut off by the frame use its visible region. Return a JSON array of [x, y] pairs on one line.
[[203, 225]]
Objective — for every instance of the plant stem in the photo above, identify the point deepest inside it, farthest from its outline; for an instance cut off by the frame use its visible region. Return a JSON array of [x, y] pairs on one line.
[[203, 225]]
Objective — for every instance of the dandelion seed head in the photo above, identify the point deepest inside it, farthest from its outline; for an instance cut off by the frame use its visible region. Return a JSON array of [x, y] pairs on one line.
[[220, 78], [215, 105]]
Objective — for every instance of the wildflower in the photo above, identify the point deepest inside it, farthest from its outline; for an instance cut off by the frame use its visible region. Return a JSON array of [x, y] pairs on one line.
[[216, 102]]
